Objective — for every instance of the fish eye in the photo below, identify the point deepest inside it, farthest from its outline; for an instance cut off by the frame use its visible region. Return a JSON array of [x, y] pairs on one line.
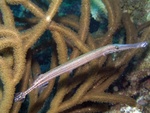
[[116, 47]]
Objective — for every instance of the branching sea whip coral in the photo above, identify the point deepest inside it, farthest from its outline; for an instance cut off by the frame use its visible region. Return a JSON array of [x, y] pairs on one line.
[[86, 88]]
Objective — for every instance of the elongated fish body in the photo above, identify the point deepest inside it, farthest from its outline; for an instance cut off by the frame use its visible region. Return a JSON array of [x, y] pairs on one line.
[[74, 63]]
